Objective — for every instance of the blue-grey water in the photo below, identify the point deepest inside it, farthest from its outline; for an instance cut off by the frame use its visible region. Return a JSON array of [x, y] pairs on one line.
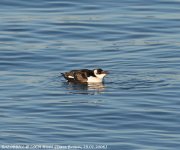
[[137, 41]]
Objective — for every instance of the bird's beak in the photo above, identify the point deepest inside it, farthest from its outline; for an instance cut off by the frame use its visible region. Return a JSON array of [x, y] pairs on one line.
[[105, 72]]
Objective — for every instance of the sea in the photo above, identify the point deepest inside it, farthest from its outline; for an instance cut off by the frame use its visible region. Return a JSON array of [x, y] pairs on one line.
[[137, 107]]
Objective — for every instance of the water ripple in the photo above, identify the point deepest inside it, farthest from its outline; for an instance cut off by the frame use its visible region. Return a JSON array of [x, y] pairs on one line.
[[137, 106]]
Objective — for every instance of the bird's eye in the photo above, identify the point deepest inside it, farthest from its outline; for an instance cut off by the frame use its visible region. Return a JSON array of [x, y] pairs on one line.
[[99, 71]]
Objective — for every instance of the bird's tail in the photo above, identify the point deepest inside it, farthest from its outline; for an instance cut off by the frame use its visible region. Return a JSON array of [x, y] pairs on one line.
[[63, 74]]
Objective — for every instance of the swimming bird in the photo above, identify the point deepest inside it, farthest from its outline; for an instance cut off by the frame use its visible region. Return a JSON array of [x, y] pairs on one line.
[[85, 75]]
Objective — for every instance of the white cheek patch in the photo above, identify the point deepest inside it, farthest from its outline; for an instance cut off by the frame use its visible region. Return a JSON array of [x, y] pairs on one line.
[[100, 75]]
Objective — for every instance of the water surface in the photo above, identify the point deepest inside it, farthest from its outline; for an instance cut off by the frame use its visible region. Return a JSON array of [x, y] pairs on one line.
[[138, 105]]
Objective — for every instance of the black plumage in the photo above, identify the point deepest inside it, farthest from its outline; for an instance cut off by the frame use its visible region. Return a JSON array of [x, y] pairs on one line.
[[78, 75], [81, 75]]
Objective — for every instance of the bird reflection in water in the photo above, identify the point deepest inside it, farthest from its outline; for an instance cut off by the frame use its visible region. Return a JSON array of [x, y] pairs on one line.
[[85, 88]]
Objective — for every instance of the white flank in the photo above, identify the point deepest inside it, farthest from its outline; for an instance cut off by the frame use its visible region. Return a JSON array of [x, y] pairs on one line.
[[94, 79], [70, 77]]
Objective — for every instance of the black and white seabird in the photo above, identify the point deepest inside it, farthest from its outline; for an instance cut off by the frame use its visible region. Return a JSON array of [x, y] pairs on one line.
[[85, 75]]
